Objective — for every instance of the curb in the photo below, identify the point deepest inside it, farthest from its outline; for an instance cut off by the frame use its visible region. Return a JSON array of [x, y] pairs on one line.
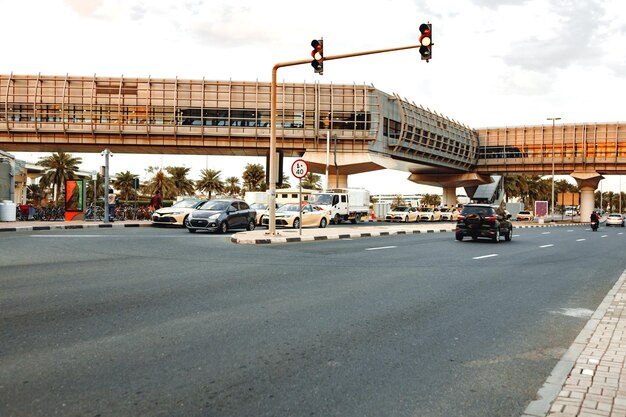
[[248, 240], [72, 226]]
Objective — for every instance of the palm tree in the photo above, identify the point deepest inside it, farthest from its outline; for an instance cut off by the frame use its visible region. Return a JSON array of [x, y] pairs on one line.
[[397, 201], [513, 185], [182, 184], [210, 182], [58, 167], [312, 181], [124, 182], [160, 182], [285, 181], [99, 188], [430, 200], [231, 186], [253, 177]]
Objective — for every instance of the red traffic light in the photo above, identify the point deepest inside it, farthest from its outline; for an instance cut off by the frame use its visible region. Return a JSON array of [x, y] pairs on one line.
[[318, 56], [426, 41]]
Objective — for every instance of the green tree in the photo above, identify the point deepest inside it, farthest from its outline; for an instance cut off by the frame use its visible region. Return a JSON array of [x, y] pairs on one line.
[[397, 201], [210, 182], [254, 178], [231, 186], [58, 167], [286, 183], [123, 182], [182, 184], [430, 200], [312, 181], [160, 182], [99, 188]]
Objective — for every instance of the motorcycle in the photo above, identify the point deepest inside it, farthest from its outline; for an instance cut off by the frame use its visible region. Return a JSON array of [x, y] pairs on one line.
[[594, 226]]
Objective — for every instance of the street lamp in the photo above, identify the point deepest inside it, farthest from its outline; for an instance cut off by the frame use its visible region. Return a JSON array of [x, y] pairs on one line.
[[554, 119]]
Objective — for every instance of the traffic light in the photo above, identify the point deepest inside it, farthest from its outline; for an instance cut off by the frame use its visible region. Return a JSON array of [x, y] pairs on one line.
[[318, 56], [426, 41]]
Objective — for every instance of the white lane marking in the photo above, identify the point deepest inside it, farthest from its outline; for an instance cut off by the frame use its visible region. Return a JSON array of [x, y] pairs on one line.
[[515, 235], [569, 231], [485, 256], [604, 236], [381, 247], [545, 233], [546, 246], [580, 240], [620, 233]]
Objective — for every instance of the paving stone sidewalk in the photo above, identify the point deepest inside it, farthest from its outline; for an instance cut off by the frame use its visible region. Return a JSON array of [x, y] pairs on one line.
[[590, 379]]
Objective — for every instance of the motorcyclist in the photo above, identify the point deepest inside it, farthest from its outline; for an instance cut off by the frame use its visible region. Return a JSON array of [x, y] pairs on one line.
[[595, 220]]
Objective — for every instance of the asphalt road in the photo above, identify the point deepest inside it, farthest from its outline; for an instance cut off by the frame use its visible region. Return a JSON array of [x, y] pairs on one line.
[[160, 322]]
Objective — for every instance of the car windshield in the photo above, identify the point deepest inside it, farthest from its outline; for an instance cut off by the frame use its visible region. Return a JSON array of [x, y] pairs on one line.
[[322, 199], [524, 212], [483, 211], [258, 206], [289, 207], [186, 203], [401, 209], [615, 215], [216, 205], [427, 210]]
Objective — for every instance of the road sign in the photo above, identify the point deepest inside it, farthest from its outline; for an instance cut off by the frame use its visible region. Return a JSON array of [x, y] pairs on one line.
[[299, 169]]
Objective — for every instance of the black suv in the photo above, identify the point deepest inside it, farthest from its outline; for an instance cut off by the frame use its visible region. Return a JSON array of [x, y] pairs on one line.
[[481, 220]]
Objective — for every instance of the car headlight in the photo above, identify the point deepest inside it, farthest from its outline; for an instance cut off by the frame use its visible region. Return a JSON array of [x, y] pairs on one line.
[[215, 216], [176, 213]]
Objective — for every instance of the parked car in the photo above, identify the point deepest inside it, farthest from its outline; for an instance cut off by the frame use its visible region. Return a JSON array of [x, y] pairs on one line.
[[615, 219], [449, 214], [429, 214], [222, 215], [482, 220], [262, 210], [403, 214], [524, 216], [177, 214], [288, 215]]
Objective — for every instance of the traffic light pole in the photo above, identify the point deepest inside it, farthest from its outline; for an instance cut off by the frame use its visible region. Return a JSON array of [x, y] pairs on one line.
[[272, 167]]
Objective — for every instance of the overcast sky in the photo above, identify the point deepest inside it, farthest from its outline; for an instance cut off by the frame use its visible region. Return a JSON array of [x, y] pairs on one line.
[[495, 63]]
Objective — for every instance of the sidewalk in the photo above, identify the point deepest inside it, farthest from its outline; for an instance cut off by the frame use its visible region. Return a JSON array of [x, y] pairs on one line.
[[28, 225]]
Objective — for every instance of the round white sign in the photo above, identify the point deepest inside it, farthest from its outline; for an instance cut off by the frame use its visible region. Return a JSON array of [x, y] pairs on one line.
[[299, 169]]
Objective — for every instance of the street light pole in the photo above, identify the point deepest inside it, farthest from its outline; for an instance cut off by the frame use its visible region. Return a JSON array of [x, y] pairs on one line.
[[554, 119]]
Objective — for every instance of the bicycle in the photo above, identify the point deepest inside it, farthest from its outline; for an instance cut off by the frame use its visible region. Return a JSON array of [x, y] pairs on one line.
[[96, 213]]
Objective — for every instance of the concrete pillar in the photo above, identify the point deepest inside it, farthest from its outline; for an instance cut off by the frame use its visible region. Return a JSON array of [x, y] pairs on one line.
[[449, 196], [588, 183], [337, 181]]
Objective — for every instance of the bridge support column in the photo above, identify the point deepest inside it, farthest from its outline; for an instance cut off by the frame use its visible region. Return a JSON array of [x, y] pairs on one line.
[[588, 183], [449, 196], [337, 181]]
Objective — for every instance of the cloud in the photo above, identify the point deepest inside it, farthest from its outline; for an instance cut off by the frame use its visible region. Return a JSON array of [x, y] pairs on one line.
[[84, 8]]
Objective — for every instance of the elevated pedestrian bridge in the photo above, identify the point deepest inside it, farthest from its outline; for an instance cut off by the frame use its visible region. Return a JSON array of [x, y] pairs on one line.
[[363, 129]]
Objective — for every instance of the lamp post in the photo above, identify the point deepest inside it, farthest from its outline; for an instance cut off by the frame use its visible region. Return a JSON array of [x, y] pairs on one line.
[[554, 119]]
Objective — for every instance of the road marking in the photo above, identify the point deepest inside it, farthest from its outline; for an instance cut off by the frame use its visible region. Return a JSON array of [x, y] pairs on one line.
[[485, 256], [620, 233], [580, 240], [569, 231], [381, 247], [546, 246], [516, 235], [545, 233], [574, 312], [604, 236]]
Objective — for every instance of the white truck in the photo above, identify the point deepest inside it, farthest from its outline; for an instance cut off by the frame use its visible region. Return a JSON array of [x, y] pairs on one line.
[[343, 203]]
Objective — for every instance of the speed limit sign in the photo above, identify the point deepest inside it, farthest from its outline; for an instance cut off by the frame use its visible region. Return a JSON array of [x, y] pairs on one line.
[[299, 169]]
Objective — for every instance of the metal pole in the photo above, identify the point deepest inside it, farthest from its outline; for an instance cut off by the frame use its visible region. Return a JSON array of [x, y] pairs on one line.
[[272, 176], [553, 120], [106, 154], [300, 204], [327, 159]]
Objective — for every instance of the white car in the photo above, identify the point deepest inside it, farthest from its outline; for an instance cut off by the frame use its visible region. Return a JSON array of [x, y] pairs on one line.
[[524, 215], [615, 219], [177, 214], [403, 214], [430, 214], [447, 214]]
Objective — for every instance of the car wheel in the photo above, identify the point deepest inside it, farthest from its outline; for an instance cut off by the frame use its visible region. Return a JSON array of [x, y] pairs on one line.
[[192, 230], [251, 225], [261, 220], [337, 219], [185, 220], [509, 235], [223, 227], [323, 222], [459, 237], [296, 223], [496, 237]]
